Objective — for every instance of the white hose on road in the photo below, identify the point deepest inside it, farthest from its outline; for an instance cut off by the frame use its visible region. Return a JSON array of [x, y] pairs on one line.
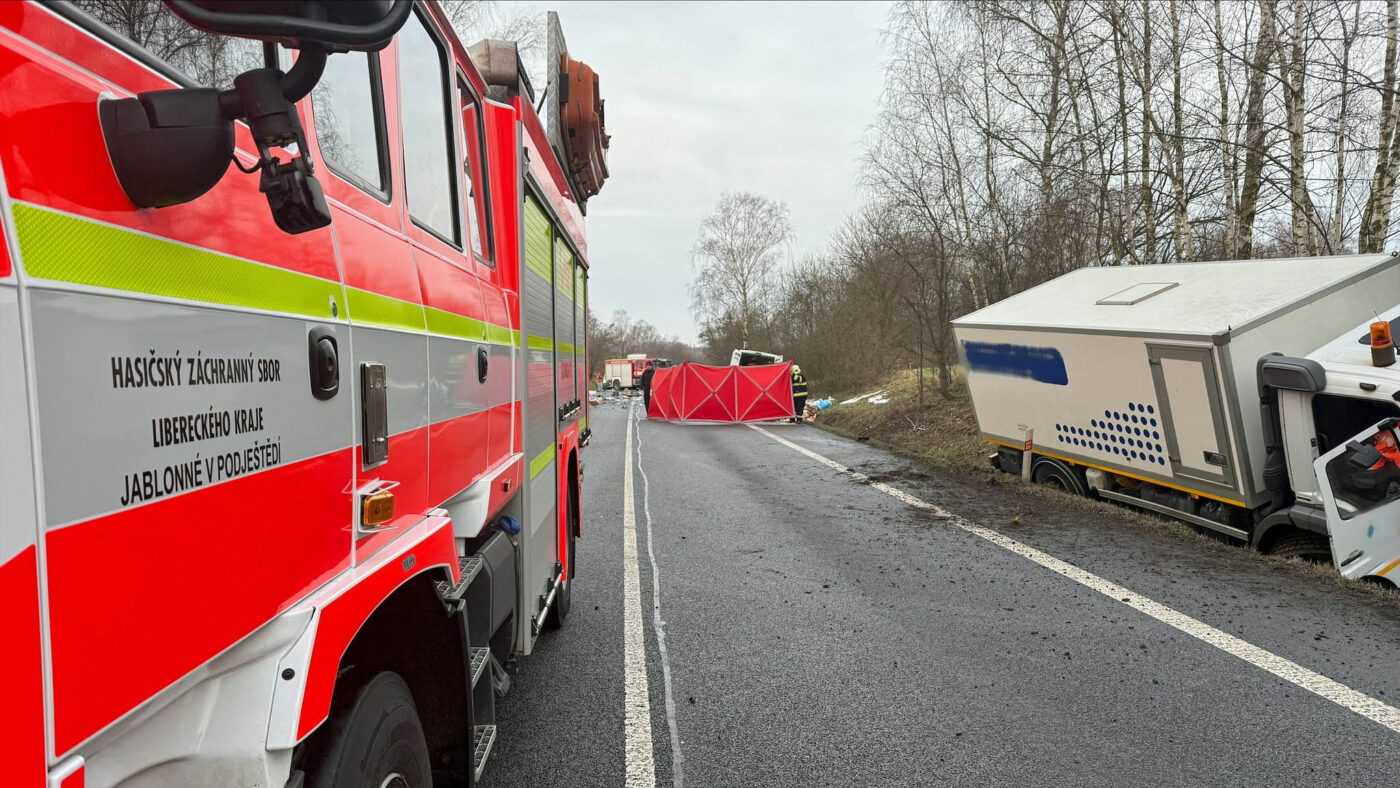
[[677, 759]]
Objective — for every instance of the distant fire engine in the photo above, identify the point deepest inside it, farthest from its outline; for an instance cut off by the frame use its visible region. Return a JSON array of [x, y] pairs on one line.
[[626, 373], [290, 460]]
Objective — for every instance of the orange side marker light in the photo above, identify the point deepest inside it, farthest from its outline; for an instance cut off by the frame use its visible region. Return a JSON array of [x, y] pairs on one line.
[[377, 509]]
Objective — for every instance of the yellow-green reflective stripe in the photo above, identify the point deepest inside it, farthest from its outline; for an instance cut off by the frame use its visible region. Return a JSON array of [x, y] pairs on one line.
[[455, 325], [541, 461], [379, 310], [541, 343], [500, 335], [81, 251]]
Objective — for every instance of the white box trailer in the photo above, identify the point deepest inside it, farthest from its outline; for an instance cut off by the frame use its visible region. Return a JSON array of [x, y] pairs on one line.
[[617, 373], [1139, 383]]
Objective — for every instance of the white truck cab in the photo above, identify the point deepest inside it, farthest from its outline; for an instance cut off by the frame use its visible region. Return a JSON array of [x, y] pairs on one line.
[[1340, 441]]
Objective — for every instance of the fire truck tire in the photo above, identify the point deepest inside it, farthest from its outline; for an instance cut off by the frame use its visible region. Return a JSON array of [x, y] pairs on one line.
[[371, 739]]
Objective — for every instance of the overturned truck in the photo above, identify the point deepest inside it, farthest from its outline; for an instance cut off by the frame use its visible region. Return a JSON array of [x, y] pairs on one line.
[[1244, 398]]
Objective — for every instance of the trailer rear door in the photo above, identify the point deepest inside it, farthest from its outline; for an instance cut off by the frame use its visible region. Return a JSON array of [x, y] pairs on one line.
[[1192, 413]]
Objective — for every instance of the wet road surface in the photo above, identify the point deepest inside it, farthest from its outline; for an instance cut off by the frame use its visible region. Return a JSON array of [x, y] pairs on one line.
[[820, 631]]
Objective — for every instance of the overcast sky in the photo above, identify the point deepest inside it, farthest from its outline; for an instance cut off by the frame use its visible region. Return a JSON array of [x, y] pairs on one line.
[[706, 97]]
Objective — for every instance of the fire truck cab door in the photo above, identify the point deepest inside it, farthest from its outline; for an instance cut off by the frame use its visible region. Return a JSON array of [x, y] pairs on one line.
[[1360, 485]]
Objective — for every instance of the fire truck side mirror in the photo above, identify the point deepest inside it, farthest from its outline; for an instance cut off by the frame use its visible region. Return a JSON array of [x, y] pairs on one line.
[[336, 25], [168, 147]]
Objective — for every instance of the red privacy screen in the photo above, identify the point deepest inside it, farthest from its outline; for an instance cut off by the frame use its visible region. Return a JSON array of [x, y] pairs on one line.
[[695, 392]]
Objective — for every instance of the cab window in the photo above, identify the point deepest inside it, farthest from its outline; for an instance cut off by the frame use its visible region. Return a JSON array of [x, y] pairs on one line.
[[474, 174], [427, 132], [1338, 418], [206, 58], [349, 109], [1366, 475]]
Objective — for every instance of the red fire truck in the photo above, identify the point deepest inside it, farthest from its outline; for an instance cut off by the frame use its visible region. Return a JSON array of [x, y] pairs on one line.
[[626, 373], [289, 460]]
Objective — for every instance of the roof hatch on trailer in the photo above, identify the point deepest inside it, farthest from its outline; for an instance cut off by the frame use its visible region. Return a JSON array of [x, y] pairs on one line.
[[1136, 294]]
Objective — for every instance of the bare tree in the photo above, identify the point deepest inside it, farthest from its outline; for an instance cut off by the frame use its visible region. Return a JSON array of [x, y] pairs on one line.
[[737, 258], [1255, 130], [1375, 220]]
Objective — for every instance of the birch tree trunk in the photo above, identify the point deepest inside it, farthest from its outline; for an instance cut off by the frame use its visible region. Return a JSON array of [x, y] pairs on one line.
[[1228, 162], [1255, 132], [1375, 219], [1293, 71], [1334, 237], [1120, 59], [1149, 213], [1181, 223]]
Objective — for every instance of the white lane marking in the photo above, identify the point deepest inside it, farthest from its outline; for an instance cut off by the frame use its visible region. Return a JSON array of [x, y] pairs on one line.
[[641, 765], [1292, 672], [677, 759]]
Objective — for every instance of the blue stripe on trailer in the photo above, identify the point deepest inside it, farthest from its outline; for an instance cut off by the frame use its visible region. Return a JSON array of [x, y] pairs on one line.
[[1043, 364]]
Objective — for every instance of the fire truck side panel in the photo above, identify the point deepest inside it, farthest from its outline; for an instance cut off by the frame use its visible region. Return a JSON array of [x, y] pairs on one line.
[[550, 177], [564, 326], [502, 302], [539, 547], [581, 343], [348, 603], [219, 421], [228, 423], [22, 726], [181, 468], [566, 387]]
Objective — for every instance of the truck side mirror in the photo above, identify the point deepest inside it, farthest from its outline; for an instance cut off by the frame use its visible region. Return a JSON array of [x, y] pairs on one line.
[[338, 26], [1293, 374], [168, 147]]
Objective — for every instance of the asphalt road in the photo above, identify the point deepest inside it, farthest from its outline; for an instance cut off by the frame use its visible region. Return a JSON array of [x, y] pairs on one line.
[[821, 632]]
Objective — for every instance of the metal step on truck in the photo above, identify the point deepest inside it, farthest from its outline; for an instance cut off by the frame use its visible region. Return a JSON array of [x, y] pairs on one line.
[[1255, 399]]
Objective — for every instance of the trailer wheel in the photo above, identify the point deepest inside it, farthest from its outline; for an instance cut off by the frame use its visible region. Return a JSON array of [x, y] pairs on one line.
[[563, 600], [1054, 473], [373, 740], [1310, 547]]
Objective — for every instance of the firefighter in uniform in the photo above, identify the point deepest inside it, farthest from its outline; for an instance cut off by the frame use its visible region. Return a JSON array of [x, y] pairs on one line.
[[799, 392], [647, 375]]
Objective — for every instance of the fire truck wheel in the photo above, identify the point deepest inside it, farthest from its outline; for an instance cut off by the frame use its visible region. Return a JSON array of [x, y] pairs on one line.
[[373, 740]]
